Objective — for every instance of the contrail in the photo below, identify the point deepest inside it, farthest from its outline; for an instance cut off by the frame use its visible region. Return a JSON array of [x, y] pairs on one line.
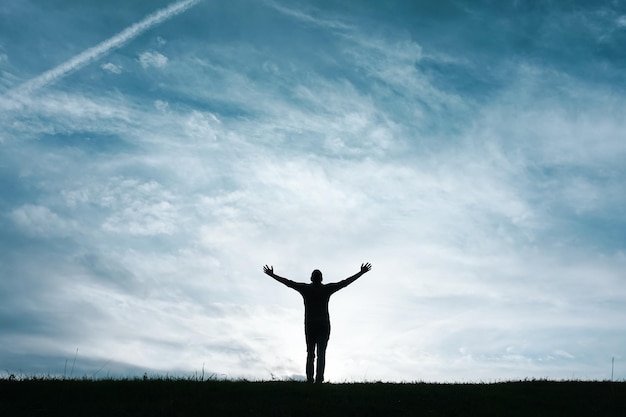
[[102, 48]]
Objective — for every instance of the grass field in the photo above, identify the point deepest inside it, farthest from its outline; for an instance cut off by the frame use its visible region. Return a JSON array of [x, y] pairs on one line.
[[187, 397]]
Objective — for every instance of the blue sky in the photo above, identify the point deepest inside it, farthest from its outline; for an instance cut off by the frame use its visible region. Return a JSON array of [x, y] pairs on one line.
[[154, 155]]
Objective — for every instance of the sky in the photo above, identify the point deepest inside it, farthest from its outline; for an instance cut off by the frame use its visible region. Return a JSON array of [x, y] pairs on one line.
[[154, 155]]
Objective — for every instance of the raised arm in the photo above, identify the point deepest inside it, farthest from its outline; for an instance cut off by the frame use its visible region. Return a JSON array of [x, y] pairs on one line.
[[269, 270], [366, 267]]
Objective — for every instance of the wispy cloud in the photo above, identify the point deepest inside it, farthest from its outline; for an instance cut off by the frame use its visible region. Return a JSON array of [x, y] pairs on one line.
[[99, 50], [110, 67], [152, 59], [308, 18], [155, 231]]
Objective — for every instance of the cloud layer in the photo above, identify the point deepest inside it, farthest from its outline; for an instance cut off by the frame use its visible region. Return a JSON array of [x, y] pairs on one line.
[[149, 178]]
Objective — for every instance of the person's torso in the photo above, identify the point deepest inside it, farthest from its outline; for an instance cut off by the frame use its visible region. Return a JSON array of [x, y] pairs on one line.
[[316, 298]]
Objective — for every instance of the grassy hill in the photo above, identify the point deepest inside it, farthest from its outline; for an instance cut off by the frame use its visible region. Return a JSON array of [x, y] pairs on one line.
[[182, 397]]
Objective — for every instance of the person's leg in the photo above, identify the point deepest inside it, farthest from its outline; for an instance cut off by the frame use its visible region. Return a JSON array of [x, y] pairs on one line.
[[322, 343], [310, 352], [310, 358], [321, 361]]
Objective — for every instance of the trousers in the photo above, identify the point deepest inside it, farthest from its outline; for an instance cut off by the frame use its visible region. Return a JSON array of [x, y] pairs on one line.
[[317, 333]]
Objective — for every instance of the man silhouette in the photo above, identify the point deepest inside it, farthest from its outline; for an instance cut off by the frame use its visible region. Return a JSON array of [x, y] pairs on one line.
[[316, 318]]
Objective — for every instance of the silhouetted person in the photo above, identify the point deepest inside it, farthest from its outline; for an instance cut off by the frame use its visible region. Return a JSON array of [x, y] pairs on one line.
[[316, 318]]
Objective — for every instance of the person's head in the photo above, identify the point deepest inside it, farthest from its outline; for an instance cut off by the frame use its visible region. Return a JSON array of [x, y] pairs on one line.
[[316, 276]]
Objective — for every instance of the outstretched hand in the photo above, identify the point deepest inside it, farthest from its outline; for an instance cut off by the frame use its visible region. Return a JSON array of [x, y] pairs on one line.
[[365, 267], [269, 270]]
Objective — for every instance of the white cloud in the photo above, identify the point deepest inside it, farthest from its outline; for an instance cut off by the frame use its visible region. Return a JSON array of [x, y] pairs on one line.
[[152, 59], [161, 105], [110, 67], [103, 48], [40, 221], [203, 126], [140, 208]]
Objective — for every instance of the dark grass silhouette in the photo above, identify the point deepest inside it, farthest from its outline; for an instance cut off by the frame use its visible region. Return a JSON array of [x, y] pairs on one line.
[[189, 397]]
